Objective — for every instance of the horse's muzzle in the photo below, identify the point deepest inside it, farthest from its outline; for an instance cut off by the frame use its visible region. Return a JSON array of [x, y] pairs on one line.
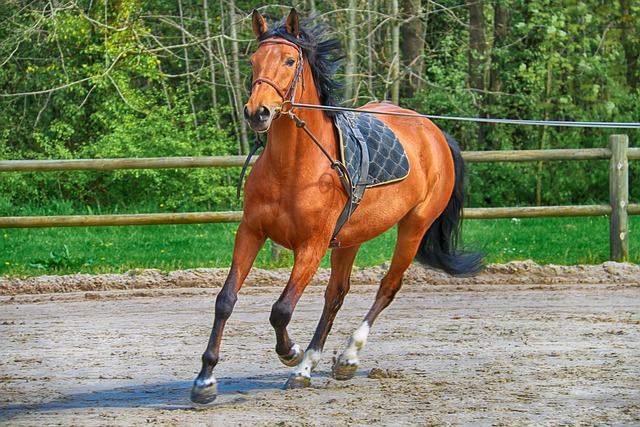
[[259, 120]]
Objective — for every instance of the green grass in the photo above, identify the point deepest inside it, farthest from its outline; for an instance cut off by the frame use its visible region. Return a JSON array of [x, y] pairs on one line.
[[564, 241], [95, 250]]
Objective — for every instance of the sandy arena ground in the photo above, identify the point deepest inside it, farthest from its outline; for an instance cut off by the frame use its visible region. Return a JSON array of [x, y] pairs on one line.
[[518, 345]]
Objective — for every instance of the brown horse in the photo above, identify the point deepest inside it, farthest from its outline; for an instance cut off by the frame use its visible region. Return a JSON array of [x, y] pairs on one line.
[[295, 197]]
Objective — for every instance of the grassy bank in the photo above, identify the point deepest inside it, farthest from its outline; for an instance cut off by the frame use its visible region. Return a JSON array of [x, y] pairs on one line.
[[98, 250]]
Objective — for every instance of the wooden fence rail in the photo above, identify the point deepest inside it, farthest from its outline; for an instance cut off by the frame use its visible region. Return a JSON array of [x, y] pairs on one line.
[[618, 209]]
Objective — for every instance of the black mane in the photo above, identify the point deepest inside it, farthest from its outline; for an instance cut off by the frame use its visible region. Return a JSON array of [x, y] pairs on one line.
[[322, 53]]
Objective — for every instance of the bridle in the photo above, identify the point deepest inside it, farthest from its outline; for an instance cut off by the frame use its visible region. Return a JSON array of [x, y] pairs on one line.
[[289, 94], [288, 102]]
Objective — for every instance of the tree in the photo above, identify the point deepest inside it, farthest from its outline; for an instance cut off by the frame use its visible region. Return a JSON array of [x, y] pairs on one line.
[[351, 65], [630, 42], [236, 87], [412, 33], [478, 60], [394, 72], [130, 78]]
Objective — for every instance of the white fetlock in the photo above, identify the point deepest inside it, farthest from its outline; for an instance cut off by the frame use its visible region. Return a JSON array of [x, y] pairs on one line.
[[347, 364], [204, 391], [309, 362], [301, 377], [298, 354]]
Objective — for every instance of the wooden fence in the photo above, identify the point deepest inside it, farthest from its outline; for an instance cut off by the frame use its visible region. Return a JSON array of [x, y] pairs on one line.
[[618, 209]]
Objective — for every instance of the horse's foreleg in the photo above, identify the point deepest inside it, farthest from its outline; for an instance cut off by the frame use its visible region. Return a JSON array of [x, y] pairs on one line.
[[341, 263], [306, 263], [245, 251], [405, 250]]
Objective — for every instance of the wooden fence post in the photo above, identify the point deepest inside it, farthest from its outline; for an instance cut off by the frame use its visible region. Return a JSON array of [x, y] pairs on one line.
[[619, 198]]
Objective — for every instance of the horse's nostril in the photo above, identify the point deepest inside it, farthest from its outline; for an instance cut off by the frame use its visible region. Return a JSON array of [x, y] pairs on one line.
[[261, 116], [264, 113]]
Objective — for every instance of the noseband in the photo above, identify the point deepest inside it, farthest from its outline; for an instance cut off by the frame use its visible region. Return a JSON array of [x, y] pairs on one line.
[[288, 94]]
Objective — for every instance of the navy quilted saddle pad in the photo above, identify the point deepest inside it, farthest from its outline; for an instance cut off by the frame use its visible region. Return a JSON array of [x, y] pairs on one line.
[[388, 161]]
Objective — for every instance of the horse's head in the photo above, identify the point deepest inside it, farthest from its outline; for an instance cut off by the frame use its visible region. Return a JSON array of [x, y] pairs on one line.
[[277, 68]]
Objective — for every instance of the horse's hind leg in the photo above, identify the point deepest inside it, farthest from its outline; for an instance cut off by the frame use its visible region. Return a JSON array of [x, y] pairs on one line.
[[341, 263], [406, 247]]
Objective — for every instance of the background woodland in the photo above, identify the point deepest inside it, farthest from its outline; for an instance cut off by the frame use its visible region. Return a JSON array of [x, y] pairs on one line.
[[135, 78]]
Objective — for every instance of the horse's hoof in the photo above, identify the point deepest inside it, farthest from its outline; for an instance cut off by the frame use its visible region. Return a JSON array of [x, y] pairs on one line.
[[204, 393], [294, 359], [344, 371], [297, 381]]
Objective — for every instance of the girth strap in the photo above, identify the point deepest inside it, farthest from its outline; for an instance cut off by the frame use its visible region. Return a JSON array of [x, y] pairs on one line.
[[355, 190]]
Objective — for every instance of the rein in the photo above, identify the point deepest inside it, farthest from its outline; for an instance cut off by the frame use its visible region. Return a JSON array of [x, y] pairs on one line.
[[287, 99], [288, 103], [609, 125]]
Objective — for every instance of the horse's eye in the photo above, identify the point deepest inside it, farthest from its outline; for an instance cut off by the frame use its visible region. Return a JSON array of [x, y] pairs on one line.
[[290, 62]]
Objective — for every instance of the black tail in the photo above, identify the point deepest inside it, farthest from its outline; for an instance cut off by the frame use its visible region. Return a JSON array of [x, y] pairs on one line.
[[439, 246]]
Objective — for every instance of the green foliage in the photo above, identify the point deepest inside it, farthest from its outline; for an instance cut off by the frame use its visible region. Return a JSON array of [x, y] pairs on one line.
[[89, 85], [559, 61], [142, 79], [60, 261], [162, 132]]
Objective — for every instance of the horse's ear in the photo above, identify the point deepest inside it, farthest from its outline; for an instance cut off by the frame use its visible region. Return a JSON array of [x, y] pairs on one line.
[[258, 23], [293, 24]]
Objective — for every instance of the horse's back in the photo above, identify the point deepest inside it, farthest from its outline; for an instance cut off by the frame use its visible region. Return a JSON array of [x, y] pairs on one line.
[[425, 191], [424, 142]]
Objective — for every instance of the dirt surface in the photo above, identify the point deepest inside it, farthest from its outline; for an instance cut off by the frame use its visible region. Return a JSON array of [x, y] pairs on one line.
[[518, 345]]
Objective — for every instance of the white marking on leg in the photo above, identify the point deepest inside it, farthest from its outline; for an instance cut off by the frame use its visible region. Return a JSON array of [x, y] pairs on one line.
[[205, 382], [204, 390], [309, 362], [356, 342], [296, 350], [295, 359]]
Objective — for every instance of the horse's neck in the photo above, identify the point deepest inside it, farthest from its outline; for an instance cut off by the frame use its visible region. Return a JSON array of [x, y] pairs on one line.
[[289, 147]]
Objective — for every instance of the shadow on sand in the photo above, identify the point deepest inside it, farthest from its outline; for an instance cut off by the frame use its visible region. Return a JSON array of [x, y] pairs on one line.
[[173, 395]]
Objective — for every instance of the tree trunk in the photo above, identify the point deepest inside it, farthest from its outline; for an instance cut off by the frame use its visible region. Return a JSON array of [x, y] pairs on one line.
[[186, 65], [412, 46], [543, 137], [500, 30], [371, 7], [212, 63], [352, 54], [237, 82], [631, 48], [477, 46], [395, 53], [495, 63], [477, 61]]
